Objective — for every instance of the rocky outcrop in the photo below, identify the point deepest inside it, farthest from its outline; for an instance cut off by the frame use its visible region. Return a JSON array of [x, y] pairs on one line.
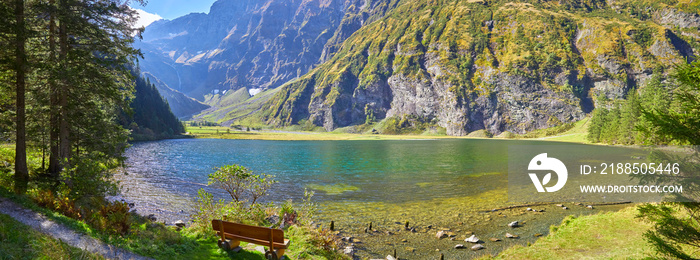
[[671, 17]]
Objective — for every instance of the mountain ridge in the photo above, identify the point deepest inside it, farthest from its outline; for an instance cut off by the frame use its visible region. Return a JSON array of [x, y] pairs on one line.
[[463, 66]]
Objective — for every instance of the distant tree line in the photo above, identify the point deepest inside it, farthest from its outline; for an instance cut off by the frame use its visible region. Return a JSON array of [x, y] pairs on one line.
[[149, 116], [203, 123], [619, 121]]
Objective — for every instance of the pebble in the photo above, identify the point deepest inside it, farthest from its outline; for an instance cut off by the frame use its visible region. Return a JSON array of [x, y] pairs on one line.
[[472, 239], [349, 250], [477, 247], [440, 234]]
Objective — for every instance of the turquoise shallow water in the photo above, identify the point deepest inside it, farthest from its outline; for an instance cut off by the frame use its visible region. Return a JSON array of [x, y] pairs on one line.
[[445, 183], [380, 170]]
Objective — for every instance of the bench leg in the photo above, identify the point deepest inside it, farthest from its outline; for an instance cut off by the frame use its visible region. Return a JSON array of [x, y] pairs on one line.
[[280, 253], [228, 244]]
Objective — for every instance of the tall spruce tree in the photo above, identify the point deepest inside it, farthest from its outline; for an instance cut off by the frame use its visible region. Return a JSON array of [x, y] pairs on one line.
[[676, 228]]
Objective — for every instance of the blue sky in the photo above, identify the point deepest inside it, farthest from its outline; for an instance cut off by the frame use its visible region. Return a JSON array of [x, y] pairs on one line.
[[170, 9]]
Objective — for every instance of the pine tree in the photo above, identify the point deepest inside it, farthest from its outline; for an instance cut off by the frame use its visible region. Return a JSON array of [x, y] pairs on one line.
[[676, 224], [629, 116]]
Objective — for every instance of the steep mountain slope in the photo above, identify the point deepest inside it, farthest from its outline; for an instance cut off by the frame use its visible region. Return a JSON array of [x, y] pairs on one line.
[[496, 65], [180, 104], [246, 43]]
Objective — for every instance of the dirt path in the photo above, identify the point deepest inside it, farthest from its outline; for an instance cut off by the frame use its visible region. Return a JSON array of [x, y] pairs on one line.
[[44, 225]]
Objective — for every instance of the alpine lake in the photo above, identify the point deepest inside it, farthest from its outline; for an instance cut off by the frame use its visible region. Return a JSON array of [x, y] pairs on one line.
[[449, 185]]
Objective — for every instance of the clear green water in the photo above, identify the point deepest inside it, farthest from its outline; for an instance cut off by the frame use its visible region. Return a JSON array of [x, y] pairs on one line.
[[447, 184]]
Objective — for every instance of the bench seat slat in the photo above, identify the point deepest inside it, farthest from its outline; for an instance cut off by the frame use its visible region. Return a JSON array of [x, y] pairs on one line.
[[253, 240]]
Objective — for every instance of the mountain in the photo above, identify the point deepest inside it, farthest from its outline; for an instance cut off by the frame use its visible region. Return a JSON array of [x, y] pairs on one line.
[[456, 65], [181, 105], [242, 44]]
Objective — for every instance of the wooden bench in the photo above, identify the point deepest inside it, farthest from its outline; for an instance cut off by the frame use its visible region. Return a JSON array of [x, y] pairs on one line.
[[231, 234]]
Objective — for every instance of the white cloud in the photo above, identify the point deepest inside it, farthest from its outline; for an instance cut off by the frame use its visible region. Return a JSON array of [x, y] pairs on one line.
[[146, 18]]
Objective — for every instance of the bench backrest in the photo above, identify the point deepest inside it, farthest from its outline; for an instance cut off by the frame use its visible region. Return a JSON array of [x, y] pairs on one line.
[[255, 232]]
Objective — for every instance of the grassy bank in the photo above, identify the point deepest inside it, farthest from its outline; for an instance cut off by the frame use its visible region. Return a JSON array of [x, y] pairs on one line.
[[572, 132], [610, 235], [19, 241]]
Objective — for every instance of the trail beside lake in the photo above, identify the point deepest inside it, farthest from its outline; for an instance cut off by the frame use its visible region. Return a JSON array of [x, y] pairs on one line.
[[44, 225]]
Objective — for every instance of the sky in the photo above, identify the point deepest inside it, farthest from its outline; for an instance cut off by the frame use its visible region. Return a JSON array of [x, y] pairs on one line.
[[169, 9]]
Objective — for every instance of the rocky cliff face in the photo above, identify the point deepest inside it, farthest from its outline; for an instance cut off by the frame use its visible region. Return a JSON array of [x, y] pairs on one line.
[[243, 43], [499, 66], [460, 65]]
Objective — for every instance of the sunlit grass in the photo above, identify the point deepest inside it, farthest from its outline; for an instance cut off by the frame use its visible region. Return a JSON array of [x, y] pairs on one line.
[[610, 235]]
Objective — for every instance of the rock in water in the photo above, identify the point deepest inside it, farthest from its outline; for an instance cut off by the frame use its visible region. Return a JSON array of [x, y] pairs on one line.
[[514, 224], [529, 209], [152, 218], [493, 239], [472, 239], [477, 247], [509, 235], [180, 223], [589, 206], [349, 250], [441, 234]]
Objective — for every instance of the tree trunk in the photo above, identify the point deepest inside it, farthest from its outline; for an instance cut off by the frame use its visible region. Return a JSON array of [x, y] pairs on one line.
[[63, 126], [21, 172], [54, 166]]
